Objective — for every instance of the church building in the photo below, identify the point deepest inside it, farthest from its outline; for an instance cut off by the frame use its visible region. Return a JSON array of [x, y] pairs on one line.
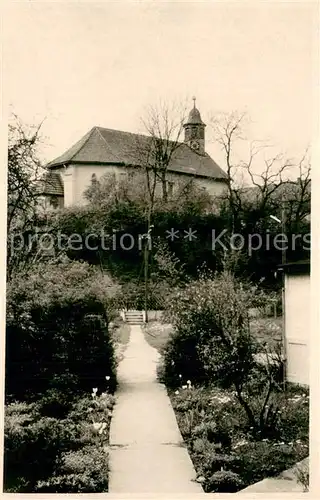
[[105, 151]]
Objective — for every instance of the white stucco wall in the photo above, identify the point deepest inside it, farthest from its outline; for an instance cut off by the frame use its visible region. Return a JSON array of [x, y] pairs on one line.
[[77, 178], [83, 177], [68, 179], [214, 188], [297, 327]]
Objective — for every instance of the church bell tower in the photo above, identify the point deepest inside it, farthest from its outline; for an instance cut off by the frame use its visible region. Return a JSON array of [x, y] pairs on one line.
[[194, 133]]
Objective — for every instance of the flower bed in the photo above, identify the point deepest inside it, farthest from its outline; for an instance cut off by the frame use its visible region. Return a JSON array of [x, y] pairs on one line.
[[226, 454], [48, 454]]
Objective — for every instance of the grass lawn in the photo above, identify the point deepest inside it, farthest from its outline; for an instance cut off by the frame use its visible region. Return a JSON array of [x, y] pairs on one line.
[[120, 332], [157, 334], [267, 330]]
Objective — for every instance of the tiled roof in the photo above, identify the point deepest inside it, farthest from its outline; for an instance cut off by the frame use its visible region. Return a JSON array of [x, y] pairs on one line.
[[51, 184], [107, 146]]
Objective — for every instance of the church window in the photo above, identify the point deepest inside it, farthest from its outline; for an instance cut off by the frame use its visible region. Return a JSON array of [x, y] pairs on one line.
[[170, 188], [53, 202]]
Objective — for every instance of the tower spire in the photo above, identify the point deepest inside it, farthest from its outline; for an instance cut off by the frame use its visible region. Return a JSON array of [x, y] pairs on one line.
[[194, 134]]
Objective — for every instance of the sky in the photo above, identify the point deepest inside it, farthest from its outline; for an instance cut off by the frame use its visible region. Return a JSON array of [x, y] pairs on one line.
[[81, 64]]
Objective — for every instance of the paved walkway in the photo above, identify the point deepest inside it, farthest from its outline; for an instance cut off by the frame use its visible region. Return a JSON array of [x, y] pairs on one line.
[[147, 451]]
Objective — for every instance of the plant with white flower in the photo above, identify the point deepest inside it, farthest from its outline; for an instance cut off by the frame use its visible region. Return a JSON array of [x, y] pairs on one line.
[[201, 479], [240, 443], [222, 399], [97, 426], [104, 425], [94, 392]]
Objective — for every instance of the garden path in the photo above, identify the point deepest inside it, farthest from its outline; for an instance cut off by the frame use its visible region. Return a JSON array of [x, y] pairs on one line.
[[147, 453]]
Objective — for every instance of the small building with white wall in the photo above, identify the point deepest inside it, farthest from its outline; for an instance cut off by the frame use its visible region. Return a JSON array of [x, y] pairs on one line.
[[297, 314]]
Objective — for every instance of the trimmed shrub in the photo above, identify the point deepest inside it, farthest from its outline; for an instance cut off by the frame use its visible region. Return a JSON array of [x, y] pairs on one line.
[[261, 459], [211, 340], [181, 357], [68, 455], [224, 481], [57, 331], [218, 461], [55, 404], [72, 483], [82, 471], [31, 446], [294, 419], [89, 459]]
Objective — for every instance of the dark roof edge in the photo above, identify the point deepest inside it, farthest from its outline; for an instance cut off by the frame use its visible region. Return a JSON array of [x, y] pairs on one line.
[[76, 162], [46, 193], [298, 267]]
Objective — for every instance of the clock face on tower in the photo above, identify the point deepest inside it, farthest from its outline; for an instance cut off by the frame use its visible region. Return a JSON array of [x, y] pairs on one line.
[[194, 145]]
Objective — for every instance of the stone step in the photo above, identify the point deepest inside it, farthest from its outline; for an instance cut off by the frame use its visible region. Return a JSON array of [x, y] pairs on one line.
[[134, 317]]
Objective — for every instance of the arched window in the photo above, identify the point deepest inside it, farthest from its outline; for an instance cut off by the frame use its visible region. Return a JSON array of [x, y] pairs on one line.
[[170, 185], [53, 201]]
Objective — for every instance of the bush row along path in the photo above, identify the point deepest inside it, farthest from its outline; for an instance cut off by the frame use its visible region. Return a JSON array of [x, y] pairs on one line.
[[147, 453]]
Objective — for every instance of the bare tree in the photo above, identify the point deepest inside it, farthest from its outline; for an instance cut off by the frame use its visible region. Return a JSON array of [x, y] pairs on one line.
[[24, 174], [264, 181], [163, 124], [24, 171], [227, 129]]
